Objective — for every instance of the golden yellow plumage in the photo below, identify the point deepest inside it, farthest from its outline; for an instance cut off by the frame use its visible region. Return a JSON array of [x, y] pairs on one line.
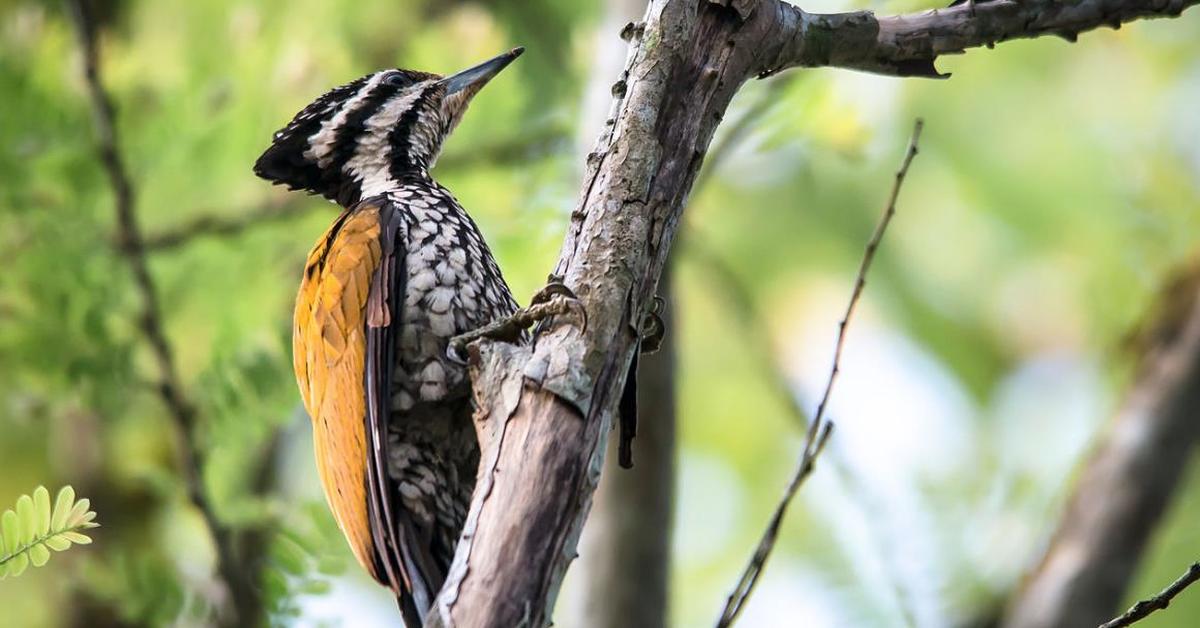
[[328, 347]]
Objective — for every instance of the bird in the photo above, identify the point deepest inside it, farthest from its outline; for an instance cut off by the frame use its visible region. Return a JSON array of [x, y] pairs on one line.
[[401, 271]]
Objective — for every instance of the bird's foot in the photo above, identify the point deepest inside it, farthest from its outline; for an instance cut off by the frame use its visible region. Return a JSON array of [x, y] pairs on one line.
[[653, 328], [554, 299]]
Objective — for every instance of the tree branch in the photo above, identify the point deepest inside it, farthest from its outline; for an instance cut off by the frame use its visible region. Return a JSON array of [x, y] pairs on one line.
[[559, 393], [212, 224], [819, 429], [1159, 602], [625, 551], [244, 591], [543, 408], [1128, 482], [908, 45]]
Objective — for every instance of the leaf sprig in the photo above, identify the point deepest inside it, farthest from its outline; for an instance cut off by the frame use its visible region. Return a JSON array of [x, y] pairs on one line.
[[28, 533]]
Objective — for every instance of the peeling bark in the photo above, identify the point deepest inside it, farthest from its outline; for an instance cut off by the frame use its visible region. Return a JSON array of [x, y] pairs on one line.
[[626, 543]]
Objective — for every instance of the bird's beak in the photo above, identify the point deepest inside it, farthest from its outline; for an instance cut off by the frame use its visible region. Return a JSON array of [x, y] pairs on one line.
[[471, 79]]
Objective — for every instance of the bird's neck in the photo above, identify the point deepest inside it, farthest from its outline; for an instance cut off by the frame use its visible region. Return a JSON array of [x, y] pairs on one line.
[[380, 181]]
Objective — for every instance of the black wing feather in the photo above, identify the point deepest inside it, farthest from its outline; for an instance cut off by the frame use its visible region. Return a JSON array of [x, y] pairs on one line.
[[390, 531]]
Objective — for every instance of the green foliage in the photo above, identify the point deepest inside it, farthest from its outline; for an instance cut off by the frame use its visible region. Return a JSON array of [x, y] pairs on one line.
[[28, 533], [143, 587], [301, 561]]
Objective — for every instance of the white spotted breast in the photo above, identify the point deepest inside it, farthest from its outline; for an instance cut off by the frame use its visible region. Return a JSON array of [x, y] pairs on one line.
[[453, 285]]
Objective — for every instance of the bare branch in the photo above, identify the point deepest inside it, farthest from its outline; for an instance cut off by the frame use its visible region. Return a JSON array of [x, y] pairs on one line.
[[1159, 602], [246, 604], [212, 224], [557, 395], [908, 45], [819, 429], [624, 566]]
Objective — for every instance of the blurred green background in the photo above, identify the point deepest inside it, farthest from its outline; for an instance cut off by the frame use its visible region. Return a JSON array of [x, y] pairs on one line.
[[1057, 185]]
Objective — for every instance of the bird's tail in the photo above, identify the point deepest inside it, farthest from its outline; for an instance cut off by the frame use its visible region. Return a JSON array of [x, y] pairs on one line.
[[413, 617]]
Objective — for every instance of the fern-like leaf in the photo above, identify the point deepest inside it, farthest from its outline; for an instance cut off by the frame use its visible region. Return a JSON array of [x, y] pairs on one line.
[[29, 532]]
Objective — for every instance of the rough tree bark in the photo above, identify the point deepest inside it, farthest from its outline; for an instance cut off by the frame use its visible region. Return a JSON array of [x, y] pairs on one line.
[[544, 409], [624, 561], [1127, 484]]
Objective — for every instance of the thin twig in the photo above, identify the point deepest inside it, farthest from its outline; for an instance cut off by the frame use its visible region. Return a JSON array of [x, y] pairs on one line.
[[819, 429], [131, 246], [1159, 602], [277, 209]]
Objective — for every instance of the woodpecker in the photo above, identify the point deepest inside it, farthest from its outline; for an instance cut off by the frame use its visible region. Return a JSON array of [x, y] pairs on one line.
[[400, 272]]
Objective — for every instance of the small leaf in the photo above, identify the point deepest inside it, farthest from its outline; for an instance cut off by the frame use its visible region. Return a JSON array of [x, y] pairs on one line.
[[27, 529], [17, 565], [77, 512], [57, 543], [275, 584], [10, 528], [41, 504], [62, 507], [38, 554], [316, 587], [76, 537], [290, 557], [331, 565], [29, 532]]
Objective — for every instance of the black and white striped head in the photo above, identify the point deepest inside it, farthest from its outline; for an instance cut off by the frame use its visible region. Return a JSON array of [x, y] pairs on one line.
[[362, 138]]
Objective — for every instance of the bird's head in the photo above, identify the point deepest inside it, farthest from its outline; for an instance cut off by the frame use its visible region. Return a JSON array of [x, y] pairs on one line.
[[362, 138]]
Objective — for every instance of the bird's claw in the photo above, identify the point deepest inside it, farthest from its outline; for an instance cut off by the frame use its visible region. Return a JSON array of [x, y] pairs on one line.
[[653, 329], [567, 301], [554, 299], [554, 287]]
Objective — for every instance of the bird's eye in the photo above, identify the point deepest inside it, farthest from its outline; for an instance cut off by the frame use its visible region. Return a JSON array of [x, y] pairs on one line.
[[397, 78]]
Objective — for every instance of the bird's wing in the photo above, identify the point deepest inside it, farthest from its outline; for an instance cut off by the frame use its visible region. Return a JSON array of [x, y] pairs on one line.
[[346, 319], [327, 349], [407, 551]]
